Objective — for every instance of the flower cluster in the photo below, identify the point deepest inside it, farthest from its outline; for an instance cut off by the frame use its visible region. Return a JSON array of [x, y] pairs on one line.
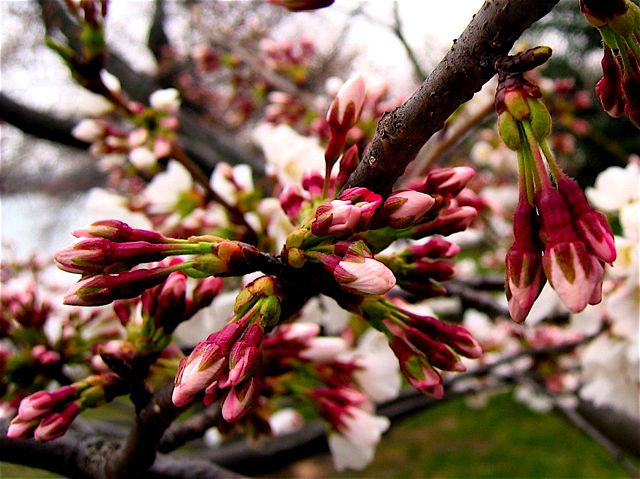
[[556, 232], [618, 22], [48, 415]]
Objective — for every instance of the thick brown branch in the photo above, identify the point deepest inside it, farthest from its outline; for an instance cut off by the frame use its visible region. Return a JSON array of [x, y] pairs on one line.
[[468, 65]]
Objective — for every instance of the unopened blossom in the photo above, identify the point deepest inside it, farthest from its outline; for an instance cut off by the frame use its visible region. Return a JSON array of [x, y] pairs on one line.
[[240, 398], [346, 107], [447, 181], [406, 207], [89, 130], [143, 158], [302, 5], [166, 101], [364, 276], [205, 364], [571, 269]]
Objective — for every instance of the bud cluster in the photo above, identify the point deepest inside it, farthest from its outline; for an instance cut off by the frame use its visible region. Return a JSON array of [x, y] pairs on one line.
[[556, 232], [422, 344], [48, 415], [618, 22], [226, 364], [111, 249]]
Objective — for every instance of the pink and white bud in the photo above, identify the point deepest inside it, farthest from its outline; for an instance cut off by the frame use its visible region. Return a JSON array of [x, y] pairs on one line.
[[448, 221], [246, 355], [89, 130], [406, 207], [447, 182], [591, 225], [323, 349], [336, 218], [414, 366], [434, 248], [364, 276], [240, 399], [366, 200], [19, 429], [57, 424], [205, 364], [574, 274], [142, 158], [524, 278], [120, 232], [40, 403], [101, 289], [346, 107], [302, 5], [609, 88], [166, 101]]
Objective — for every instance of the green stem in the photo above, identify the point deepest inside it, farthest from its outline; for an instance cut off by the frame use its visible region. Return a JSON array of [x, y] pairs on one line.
[[556, 171], [541, 177]]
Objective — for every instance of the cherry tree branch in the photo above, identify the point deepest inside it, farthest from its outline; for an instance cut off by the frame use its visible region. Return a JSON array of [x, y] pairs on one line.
[[468, 65]]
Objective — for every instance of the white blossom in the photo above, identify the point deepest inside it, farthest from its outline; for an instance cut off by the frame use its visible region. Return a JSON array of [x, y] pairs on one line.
[[166, 188], [142, 158], [88, 130], [102, 204], [289, 155], [354, 446]]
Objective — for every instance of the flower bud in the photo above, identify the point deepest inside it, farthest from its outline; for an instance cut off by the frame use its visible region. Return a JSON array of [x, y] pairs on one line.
[[56, 424], [404, 208], [240, 399], [447, 182], [245, 355], [348, 164], [166, 101], [540, 119], [509, 131], [364, 276], [609, 88], [448, 221], [120, 232], [346, 107], [302, 5]]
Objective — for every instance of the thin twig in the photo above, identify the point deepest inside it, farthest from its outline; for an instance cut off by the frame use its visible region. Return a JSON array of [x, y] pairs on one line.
[[396, 28]]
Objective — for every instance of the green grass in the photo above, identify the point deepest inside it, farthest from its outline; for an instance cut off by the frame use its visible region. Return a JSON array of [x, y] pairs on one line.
[[505, 439]]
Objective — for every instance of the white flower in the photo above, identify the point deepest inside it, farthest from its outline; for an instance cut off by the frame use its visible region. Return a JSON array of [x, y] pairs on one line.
[[167, 101], [166, 188], [536, 401], [101, 205], [324, 311], [354, 446], [278, 224], [288, 154], [207, 320], [88, 130], [142, 158], [323, 349], [285, 421], [379, 372], [616, 187], [229, 181]]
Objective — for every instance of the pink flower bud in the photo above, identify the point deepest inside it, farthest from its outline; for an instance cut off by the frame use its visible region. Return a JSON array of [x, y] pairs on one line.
[[40, 403], [364, 276], [348, 164], [453, 335], [336, 218], [313, 182], [95, 255], [609, 88], [55, 425], [19, 429], [572, 271], [591, 225], [205, 364], [119, 232], [240, 399], [447, 182], [404, 208], [434, 248], [291, 200], [101, 289], [204, 293], [245, 355], [439, 354], [523, 264], [450, 220], [346, 107], [415, 366], [364, 199]]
